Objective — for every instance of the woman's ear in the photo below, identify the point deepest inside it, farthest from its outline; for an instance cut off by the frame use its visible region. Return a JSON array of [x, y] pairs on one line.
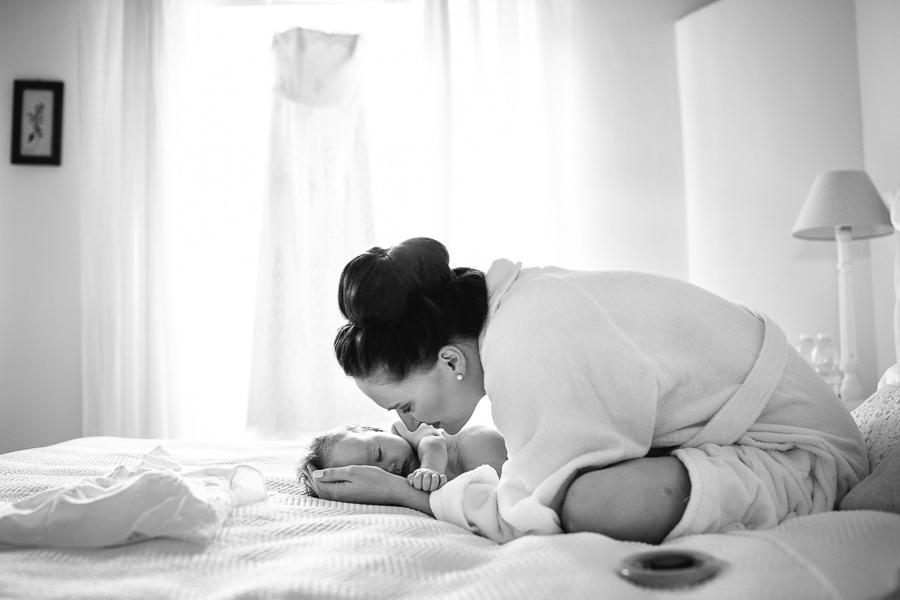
[[454, 359]]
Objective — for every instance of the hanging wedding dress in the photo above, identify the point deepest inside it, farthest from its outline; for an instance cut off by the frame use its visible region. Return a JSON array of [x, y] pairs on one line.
[[318, 216]]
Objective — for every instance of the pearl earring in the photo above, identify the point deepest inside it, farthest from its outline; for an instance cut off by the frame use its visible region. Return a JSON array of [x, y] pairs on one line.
[[459, 376]]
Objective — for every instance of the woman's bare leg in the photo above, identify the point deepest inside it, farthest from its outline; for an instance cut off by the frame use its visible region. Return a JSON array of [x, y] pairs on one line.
[[638, 500]]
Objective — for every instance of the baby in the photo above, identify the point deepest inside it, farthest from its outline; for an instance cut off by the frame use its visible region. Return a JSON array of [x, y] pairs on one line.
[[427, 457]]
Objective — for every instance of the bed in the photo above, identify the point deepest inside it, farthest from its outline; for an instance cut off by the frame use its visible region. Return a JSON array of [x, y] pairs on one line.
[[291, 545]]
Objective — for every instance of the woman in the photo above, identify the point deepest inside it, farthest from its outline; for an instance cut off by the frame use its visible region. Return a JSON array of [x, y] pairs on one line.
[[633, 405]]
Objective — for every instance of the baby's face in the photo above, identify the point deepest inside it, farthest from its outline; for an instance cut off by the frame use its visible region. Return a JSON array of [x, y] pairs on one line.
[[376, 448]]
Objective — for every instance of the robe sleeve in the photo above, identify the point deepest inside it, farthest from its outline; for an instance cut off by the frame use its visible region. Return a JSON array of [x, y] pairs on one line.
[[570, 389]]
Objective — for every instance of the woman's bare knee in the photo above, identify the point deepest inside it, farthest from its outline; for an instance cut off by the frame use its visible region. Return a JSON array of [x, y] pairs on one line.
[[637, 500], [587, 505]]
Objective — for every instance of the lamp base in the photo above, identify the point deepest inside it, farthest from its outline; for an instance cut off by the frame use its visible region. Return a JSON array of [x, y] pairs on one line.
[[851, 390]]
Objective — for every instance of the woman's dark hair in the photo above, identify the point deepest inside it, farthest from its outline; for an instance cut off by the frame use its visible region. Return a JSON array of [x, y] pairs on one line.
[[402, 305]]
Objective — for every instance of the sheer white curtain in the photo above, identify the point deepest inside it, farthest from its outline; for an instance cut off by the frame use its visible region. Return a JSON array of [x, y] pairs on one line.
[[514, 121], [170, 220], [484, 157], [123, 56]]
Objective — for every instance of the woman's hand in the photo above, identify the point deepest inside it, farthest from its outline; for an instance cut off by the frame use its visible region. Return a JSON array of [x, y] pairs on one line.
[[358, 483], [364, 484]]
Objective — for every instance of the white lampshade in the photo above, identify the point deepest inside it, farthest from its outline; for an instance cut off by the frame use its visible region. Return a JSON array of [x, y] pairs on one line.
[[845, 199]]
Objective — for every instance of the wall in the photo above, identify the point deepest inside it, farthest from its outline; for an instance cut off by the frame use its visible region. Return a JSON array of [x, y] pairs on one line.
[[771, 98], [636, 186], [877, 24], [40, 378]]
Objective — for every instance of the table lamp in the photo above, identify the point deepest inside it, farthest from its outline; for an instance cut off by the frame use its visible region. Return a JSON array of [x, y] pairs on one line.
[[844, 206]]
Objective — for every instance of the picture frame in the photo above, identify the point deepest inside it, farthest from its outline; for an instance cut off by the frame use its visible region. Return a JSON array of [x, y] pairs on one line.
[[37, 122]]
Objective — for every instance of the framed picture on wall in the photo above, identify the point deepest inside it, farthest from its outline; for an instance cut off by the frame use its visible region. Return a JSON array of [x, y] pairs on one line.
[[37, 122]]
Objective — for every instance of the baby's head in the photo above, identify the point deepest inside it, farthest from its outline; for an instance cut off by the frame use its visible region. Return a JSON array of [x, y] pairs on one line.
[[358, 445]]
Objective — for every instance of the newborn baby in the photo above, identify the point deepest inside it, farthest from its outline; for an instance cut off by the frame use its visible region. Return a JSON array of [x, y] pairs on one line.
[[427, 457]]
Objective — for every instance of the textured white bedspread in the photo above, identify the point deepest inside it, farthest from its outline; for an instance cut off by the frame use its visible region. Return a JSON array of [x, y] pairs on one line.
[[293, 546]]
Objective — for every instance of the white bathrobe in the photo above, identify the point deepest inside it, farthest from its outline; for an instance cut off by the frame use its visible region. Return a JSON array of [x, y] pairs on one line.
[[587, 369]]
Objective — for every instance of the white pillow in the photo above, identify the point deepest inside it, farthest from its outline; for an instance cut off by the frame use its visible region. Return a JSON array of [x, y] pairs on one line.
[[880, 490], [878, 419]]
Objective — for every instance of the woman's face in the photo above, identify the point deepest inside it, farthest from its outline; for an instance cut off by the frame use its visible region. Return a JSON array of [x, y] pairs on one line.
[[435, 397], [376, 448]]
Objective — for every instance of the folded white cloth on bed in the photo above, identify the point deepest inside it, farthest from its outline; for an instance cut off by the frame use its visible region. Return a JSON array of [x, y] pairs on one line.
[[155, 499]]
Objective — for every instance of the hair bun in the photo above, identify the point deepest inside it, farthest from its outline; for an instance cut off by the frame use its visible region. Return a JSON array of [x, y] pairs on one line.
[[378, 286], [423, 263]]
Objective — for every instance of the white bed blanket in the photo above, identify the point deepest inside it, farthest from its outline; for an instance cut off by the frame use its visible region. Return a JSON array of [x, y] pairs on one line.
[[293, 546]]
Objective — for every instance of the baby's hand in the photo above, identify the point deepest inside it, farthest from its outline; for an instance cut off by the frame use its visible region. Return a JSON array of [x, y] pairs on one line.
[[426, 480]]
